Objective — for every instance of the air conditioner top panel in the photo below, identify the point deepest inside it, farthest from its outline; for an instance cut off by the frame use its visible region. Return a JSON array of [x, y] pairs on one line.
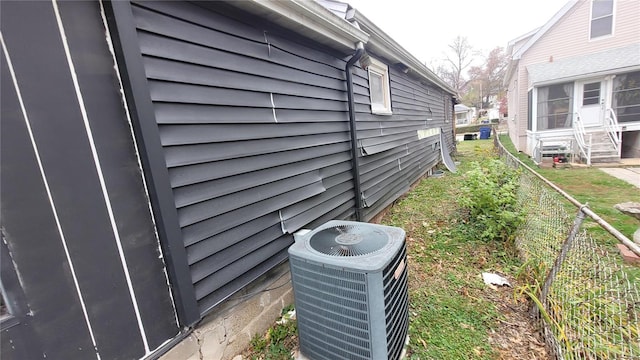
[[350, 245]]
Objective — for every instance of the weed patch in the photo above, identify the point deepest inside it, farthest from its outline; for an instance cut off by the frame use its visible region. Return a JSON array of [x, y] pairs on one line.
[[489, 195], [278, 343], [453, 314]]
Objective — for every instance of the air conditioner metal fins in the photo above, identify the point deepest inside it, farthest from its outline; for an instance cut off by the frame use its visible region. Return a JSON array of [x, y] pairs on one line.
[[350, 287]]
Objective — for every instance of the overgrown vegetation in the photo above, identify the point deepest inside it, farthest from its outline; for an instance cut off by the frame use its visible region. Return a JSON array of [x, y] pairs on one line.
[[489, 195], [278, 342], [453, 314]]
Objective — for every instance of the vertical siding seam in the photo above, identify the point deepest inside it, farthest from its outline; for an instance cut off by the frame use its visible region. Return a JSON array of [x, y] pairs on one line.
[[266, 40], [98, 166], [138, 159], [273, 108], [282, 227], [50, 196]]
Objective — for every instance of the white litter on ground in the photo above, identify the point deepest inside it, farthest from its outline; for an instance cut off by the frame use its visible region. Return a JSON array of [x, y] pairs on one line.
[[494, 279]]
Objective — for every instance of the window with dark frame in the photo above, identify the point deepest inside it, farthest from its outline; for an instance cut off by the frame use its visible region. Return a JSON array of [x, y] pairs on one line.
[[601, 18]]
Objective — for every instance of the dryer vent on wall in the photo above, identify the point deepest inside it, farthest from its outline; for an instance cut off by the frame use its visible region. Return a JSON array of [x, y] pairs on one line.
[[350, 286]]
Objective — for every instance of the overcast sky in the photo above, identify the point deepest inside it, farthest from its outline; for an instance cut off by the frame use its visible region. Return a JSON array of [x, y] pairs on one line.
[[426, 27]]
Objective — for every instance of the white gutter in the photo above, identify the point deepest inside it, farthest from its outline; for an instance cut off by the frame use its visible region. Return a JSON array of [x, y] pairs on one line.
[[383, 45], [307, 18], [511, 68]]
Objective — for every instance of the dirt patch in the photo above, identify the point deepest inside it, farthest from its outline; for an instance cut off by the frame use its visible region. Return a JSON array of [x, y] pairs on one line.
[[516, 336]]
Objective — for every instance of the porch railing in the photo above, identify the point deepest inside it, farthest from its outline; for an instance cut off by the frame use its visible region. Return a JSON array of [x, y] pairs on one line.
[[613, 129], [584, 147]]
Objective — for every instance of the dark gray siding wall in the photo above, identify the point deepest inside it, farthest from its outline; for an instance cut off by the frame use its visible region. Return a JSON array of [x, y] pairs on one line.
[[255, 134], [82, 271], [393, 155]]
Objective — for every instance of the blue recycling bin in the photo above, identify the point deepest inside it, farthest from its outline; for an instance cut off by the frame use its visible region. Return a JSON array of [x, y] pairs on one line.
[[485, 133]]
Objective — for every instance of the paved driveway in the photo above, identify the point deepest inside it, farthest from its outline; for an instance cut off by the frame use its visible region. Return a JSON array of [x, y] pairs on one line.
[[629, 174]]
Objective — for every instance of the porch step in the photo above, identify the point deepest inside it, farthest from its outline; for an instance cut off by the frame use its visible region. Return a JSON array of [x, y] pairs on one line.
[[602, 149]]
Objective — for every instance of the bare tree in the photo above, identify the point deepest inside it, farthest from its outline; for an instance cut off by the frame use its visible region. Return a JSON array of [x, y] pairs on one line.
[[488, 77], [457, 60]]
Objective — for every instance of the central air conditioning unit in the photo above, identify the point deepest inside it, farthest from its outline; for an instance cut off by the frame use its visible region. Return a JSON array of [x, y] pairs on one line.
[[350, 287]]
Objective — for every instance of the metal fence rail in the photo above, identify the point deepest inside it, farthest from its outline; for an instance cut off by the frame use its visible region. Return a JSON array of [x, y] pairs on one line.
[[587, 298]]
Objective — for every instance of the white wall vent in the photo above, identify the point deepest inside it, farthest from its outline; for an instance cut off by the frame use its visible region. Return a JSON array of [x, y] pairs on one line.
[[350, 287]]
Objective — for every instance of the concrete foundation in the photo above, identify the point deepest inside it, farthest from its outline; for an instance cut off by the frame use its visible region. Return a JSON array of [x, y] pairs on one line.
[[225, 333]]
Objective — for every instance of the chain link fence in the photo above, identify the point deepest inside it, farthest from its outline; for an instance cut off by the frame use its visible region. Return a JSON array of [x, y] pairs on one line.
[[587, 299]]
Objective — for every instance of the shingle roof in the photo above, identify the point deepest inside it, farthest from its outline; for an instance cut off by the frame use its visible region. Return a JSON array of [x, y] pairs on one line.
[[579, 66]]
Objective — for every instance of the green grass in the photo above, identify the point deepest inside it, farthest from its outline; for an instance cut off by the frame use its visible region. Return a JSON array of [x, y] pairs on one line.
[[593, 186], [587, 299], [450, 314], [452, 311]]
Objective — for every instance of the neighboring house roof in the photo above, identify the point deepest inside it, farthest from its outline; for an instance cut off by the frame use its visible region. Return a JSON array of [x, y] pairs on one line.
[[579, 66], [533, 36], [513, 42], [511, 49], [543, 30], [461, 108]]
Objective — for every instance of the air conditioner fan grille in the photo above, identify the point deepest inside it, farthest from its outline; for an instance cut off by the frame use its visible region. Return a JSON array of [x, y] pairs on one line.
[[349, 240]]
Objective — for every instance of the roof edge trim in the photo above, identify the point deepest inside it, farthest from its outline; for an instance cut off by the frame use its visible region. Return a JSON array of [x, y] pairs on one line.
[[310, 16], [579, 77], [385, 46], [543, 30]]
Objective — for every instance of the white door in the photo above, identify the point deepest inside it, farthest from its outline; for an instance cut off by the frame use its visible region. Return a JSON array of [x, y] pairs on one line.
[[591, 101]]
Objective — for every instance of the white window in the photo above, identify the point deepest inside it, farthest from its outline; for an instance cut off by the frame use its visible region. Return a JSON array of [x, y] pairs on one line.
[[601, 18], [379, 91]]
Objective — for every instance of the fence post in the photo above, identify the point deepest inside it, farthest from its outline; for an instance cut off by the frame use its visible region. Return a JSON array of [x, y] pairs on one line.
[[566, 246]]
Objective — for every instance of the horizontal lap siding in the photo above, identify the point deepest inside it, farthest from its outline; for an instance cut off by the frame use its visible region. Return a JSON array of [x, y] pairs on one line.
[[393, 155], [255, 135]]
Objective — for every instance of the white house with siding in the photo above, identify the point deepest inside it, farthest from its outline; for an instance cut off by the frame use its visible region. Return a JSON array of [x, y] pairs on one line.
[[464, 114], [576, 81]]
